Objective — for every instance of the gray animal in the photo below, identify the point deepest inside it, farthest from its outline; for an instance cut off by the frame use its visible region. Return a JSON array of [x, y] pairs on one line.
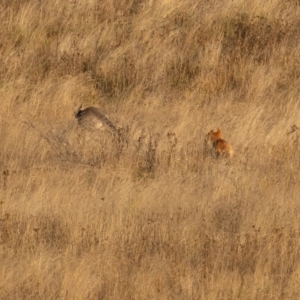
[[92, 118]]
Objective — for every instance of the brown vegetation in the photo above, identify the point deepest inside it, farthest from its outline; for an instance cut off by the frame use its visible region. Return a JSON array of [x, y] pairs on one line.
[[145, 214]]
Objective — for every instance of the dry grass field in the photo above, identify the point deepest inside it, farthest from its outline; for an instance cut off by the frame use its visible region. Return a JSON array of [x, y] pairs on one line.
[[85, 214]]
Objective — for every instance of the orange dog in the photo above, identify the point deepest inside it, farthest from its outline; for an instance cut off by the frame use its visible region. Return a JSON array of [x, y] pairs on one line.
[[219, 146]]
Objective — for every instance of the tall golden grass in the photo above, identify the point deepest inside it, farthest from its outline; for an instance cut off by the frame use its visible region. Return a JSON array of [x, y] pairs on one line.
[[150, 215]]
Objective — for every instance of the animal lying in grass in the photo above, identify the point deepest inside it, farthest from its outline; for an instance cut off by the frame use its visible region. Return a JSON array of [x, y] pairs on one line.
[[220, 147], [93, 118]]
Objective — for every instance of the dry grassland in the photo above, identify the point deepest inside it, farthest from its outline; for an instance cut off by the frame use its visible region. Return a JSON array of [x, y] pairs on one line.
[[86, 215]]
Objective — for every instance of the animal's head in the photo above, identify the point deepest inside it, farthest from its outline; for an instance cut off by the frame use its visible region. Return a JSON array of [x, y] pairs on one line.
[[213, 136]]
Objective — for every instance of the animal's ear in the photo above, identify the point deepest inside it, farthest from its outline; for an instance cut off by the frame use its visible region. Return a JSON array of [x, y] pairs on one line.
[[78, 109]]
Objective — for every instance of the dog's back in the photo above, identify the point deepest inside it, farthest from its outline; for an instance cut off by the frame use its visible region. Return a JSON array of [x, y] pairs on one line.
[[222, 148]]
